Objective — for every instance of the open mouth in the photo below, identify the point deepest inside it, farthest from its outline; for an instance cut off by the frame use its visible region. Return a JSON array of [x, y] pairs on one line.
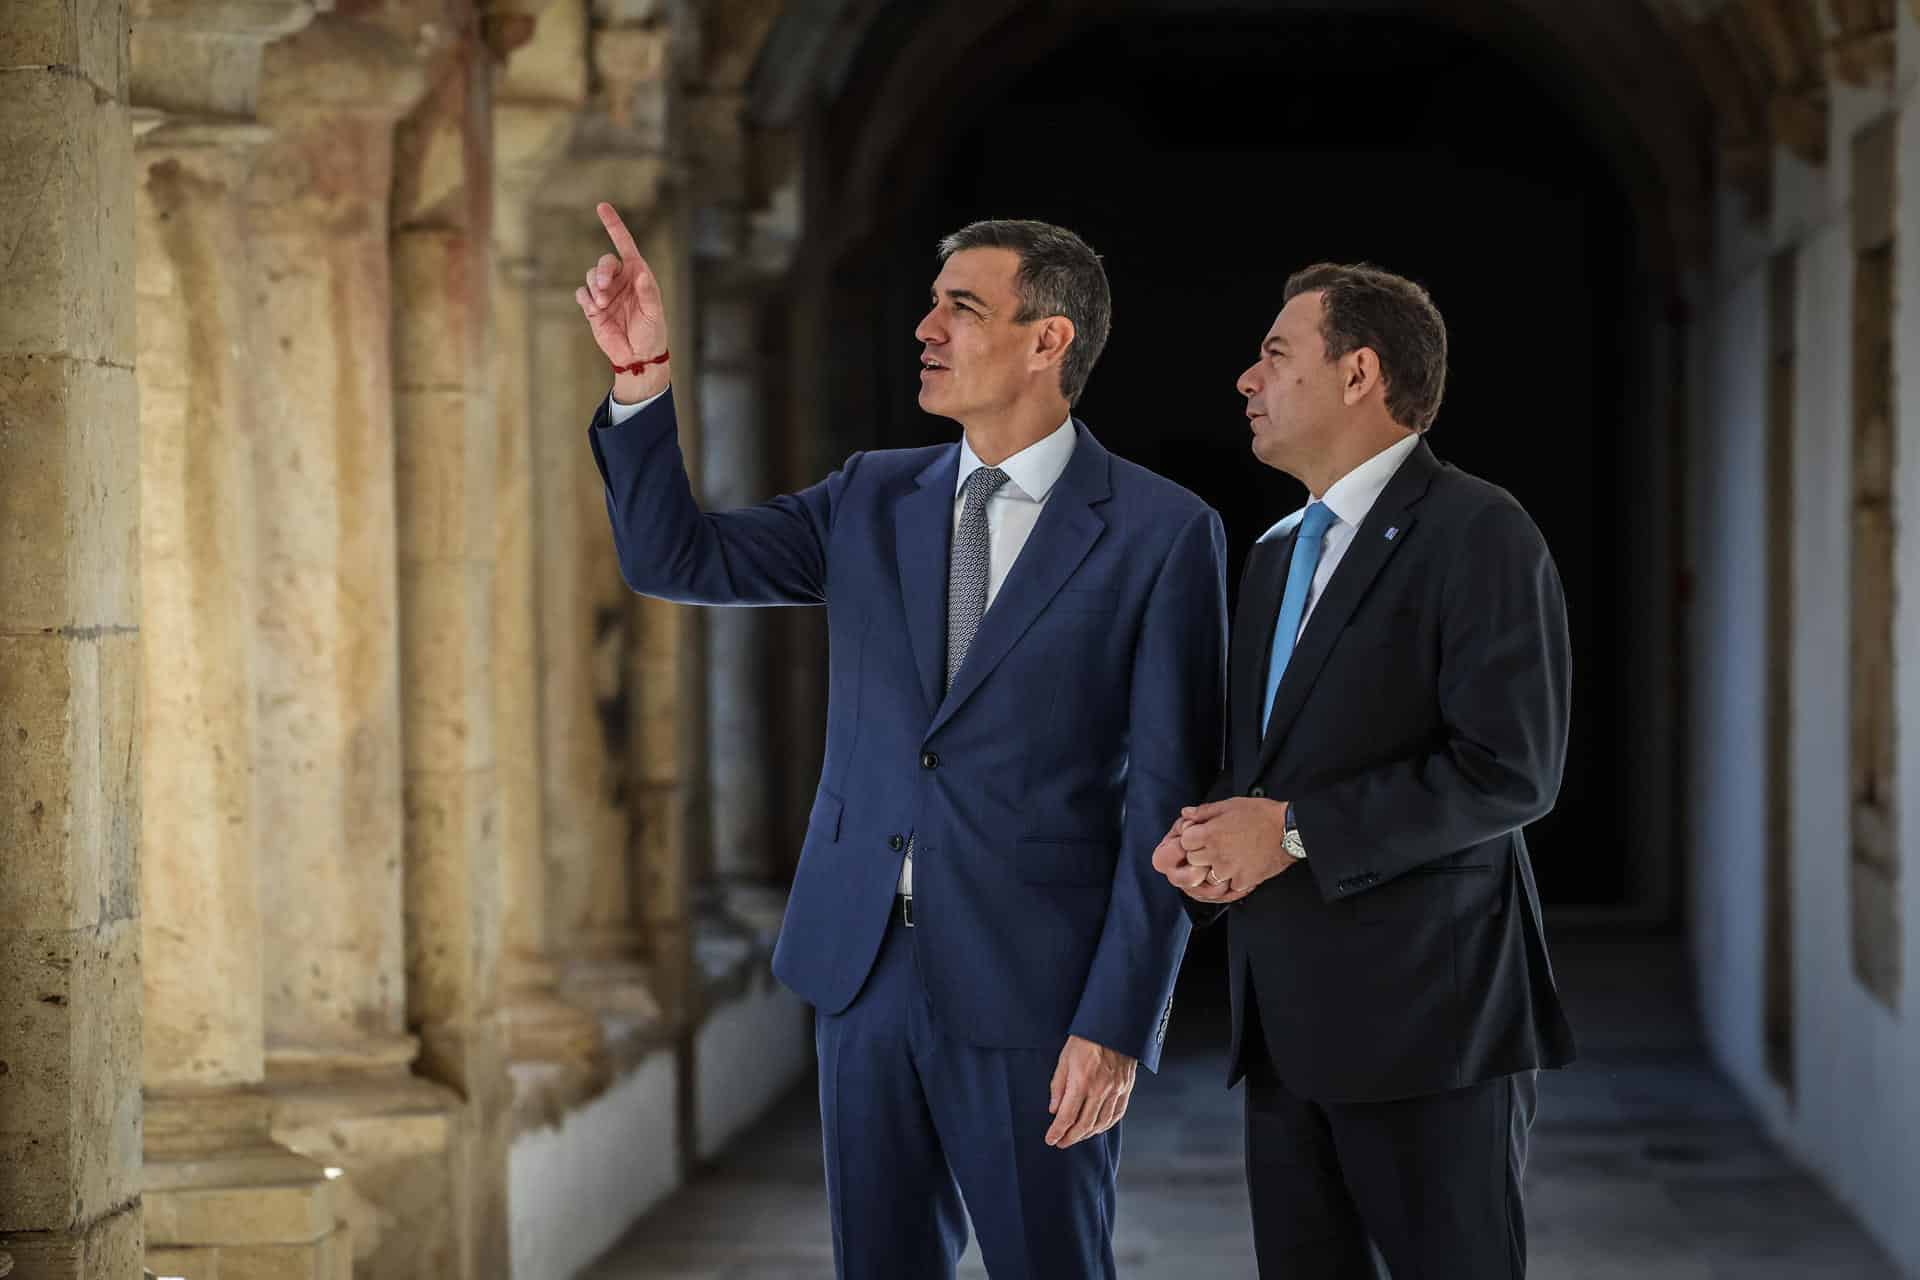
[[929, 365]]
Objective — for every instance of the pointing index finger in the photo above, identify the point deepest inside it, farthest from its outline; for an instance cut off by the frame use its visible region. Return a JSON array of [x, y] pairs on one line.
[[617, 230]]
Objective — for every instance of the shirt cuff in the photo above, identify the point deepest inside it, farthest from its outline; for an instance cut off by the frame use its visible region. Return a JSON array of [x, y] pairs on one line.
[[618, 413]]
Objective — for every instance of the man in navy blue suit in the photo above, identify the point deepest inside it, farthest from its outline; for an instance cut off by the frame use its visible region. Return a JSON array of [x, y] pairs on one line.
[[1027, 652]]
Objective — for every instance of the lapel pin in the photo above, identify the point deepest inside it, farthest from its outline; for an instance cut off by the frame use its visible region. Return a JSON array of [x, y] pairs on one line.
[[1393, 533]]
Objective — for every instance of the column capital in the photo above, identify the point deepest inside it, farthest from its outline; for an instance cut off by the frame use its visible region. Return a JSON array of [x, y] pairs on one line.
[[338, 66], [197, 58], [159, 132], [634, 66]]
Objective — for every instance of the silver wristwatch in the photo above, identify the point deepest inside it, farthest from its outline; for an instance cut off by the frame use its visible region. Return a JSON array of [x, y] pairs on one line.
[[1291, 841]]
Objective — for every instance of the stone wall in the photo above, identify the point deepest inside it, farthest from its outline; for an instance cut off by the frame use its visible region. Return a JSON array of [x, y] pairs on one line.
[[1836, 1084], [70, 646]]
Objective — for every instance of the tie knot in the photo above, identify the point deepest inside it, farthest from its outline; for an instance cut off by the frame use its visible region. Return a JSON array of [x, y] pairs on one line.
[[1314, 525], [984, 483]]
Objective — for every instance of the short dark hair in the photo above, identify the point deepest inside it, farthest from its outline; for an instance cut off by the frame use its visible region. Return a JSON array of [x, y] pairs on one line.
[[1363, 306], [1059, 275]]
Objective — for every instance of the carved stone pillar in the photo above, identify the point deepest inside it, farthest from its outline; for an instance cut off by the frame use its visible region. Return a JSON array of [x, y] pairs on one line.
[[327, 649], [739, 756], [535, 105], [584, 613], [672, 847], [69, 648], [220, 1194], [445, 432], [742, 234]]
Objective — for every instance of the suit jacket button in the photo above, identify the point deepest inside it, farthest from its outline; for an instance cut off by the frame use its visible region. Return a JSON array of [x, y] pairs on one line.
[[896, 843], [928, 760], [1258, 793]]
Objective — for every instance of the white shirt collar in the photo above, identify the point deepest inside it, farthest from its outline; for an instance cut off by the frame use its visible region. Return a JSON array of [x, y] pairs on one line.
[[1352, 496], [1032, 472]]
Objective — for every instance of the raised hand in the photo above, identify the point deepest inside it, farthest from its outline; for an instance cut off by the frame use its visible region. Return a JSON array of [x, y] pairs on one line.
[[622, 303]]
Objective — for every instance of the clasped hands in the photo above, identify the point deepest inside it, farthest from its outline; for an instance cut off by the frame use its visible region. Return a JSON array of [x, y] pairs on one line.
[[1222, 852]]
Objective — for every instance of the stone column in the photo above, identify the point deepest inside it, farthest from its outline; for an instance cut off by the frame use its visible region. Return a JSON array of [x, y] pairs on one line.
[[69, 648], [445, 438], [535, 105], [584, 614], [327, 651], [220, 1195], [671, 845], [739, 763]]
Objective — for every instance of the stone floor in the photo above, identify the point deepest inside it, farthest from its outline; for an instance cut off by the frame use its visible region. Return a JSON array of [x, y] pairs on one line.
[[1645, 1166]]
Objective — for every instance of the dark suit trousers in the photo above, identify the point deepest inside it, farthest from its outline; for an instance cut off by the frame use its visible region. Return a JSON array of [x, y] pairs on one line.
[[1432, 1183], [914, 1120]]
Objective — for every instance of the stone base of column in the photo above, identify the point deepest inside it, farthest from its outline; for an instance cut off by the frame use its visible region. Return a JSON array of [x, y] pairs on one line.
[[109, 1246], [604, 972], [224, 1200], [539, 1025], [396, 1138], [556, 1048]]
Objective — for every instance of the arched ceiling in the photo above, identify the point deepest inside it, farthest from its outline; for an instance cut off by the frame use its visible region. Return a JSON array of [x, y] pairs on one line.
[[1667, 88]]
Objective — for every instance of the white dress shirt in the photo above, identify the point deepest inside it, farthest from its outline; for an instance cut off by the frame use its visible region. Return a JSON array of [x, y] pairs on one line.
[[1350, 498], [1012, 511]]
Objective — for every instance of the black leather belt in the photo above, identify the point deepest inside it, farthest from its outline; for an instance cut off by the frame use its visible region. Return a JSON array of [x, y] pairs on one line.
[[903, 908]]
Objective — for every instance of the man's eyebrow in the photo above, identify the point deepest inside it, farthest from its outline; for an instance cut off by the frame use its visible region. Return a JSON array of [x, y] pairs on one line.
[[965, 295]]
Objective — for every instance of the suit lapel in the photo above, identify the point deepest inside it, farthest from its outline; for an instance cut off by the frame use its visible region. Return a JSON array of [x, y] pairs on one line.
[[1067, 529], [922, 533], [1365, 557], [1265, 582]]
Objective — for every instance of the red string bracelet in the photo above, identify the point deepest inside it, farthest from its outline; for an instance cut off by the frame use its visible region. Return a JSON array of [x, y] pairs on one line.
[[636, 368]]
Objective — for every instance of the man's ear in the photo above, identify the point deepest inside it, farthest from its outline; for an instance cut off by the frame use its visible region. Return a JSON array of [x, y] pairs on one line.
[[1360, 374], [1051, 339]]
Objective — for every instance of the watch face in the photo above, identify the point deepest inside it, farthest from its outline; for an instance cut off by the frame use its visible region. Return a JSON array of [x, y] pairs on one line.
[[1294, 845]]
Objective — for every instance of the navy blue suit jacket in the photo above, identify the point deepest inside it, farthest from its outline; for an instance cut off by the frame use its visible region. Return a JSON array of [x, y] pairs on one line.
[[1087, 712]]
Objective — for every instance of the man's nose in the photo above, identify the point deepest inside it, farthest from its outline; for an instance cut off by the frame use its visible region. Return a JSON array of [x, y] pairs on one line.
[[927, 330], [1248, 385]]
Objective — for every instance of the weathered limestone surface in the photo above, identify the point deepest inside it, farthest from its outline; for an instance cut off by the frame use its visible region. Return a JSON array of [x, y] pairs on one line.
[[328, 648], [202, 937], [220, 1197], [535, 102], [70, 1125], [583, 611], [446, 437]]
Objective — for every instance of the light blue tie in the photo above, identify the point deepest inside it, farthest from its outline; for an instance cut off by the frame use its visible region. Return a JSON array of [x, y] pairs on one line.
[[1293, 605]]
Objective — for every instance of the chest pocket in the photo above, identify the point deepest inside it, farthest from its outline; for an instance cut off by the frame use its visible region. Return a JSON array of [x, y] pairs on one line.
[[1084, 600]]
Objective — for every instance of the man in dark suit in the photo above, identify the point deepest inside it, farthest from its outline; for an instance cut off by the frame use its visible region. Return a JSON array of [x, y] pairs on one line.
[[1027, 648], [1397, 712]]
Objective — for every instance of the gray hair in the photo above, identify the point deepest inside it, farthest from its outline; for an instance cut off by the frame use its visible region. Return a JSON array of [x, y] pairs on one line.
[[1059, 275]]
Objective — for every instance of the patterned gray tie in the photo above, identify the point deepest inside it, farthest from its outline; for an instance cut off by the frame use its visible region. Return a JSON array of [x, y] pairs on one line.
[[967, 571]]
